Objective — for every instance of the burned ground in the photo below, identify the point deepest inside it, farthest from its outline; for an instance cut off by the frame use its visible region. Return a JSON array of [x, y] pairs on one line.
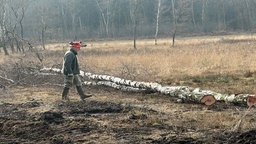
[[111, 116]]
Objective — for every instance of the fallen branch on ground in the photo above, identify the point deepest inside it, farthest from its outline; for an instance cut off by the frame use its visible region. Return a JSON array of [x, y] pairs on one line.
[[7, 79]]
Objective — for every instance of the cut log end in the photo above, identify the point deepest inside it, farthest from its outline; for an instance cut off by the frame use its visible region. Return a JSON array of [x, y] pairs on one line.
[[208, 100], [251, 100]]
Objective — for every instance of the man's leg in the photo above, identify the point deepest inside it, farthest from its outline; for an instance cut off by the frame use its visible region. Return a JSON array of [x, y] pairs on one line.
[[65, 93], [68, 82], [79, 88]]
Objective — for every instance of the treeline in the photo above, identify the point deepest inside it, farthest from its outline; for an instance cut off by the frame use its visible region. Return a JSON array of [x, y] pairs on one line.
[[42, 20]]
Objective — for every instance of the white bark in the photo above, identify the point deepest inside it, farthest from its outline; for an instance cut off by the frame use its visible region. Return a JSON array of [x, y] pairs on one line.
[[7, 79], [192, 13], [185, 93], [157, 20], [114, 85], [104, 18]]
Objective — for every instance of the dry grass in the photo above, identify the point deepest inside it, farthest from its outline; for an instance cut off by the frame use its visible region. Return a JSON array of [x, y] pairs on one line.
[[210, 62], [191, 56]]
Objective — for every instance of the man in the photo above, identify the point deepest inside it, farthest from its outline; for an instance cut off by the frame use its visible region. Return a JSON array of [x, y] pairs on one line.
[[71, 71]]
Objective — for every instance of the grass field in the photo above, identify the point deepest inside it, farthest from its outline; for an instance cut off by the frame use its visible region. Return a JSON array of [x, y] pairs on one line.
[[190, 56], [225, 64]]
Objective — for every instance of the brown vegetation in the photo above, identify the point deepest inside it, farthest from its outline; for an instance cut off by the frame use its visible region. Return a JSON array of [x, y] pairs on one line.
[[32, 111]]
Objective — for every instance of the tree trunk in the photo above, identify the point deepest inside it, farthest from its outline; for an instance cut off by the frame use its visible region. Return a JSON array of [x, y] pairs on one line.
[[21, 27], [248, 14], [193, 14], [204, 15], [173, 37], [5, 49], [114, 85], [17, 44], [63, 21], [174, 23], [224, 15], [184, 93], [73, 15], [104, 17], [157, 20], [134, 36], [133, 16], [135, 24], [10, 41], [43, 29], [2, 28], [80, 24]]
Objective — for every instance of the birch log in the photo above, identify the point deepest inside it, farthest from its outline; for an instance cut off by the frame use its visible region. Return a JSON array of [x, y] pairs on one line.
[[114, 85], [184, 93], [248, 99]]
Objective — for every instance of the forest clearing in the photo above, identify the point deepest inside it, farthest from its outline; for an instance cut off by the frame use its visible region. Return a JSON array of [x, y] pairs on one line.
[[32, 110]]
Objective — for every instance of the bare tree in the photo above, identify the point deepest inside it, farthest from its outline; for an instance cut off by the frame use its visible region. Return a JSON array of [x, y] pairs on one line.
[[180, 14], [69, 13], [3, 25], [157, 20], [192, 13], [21, 24], [14, 25], [19, 8], [63, 19], [134, 18], [73, 12], [42, 23], [13, 31], [43, 30], [105, 18], [204, 5], [249, 15], [105, 13], [174, 22], [224, 15]]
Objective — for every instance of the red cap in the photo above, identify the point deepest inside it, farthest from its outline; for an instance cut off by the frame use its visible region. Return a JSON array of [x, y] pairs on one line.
[[76, 44]]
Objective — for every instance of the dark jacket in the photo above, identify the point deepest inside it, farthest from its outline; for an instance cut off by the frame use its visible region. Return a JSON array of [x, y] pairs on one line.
[[70, 63]]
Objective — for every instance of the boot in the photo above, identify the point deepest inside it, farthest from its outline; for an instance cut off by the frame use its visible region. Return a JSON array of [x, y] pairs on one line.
[[81, 93], [65, 93]]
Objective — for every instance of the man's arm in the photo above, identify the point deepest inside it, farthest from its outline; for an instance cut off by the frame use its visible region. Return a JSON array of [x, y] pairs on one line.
[[67, 64]]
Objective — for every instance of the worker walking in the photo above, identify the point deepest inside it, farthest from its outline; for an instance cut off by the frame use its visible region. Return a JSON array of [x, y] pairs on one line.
[[71, 72]]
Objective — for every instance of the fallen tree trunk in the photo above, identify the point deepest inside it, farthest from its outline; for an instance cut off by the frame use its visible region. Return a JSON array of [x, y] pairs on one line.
[[114, 85], [117, 80], [248, 99], [184, 93]]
